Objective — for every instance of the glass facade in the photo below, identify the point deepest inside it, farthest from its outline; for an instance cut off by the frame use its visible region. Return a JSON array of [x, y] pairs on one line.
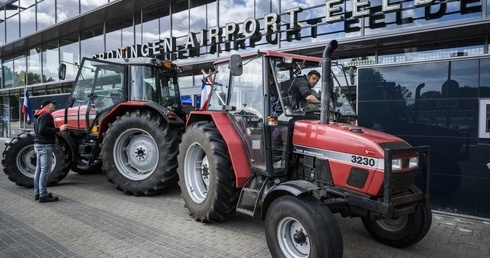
[[36, 35], [435, 104]]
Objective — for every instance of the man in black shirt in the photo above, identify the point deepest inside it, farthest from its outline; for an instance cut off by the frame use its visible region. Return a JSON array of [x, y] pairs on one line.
[[302, 88], [45, 131]]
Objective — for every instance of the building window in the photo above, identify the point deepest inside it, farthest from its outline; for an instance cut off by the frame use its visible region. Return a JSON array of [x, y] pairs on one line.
[[2, 25], [66, 9], [69, 49], [12, 21], [119, 33], [91, 41], [431, 52], [86, 6], [50, 59], [46, 14], [27, 17], [34, 66]]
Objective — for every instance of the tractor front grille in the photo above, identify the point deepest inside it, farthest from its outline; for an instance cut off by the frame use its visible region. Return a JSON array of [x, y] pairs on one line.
[[402, 181]]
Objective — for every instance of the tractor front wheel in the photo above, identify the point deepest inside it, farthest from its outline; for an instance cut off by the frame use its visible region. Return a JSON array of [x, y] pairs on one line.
[[19, 161], [302, 226], [139, 153], [206, 176], [402, 231]]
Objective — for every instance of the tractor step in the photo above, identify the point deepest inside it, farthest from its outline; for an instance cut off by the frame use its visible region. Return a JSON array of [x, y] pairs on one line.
[[250, 197], [247, 200]]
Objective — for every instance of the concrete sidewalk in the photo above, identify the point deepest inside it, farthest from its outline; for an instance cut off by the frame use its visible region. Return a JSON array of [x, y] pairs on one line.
[[93, 219]]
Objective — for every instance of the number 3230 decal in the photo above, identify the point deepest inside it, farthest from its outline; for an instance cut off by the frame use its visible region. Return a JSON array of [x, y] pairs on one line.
[[363, 160]]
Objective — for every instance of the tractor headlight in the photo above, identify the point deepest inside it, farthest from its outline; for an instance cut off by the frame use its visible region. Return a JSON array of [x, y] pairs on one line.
[[414, 162], [396, 164]]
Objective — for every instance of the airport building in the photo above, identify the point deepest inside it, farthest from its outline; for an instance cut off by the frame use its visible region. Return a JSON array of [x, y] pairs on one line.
[[421, 67]]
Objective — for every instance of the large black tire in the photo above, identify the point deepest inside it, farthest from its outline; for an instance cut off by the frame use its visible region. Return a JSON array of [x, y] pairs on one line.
[[207, 180], [403, 231], [139, 153], [302, 226], [19, 161]]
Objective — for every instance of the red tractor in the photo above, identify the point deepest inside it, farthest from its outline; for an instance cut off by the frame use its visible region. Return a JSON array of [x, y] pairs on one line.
[[124, 117], [294, 164]]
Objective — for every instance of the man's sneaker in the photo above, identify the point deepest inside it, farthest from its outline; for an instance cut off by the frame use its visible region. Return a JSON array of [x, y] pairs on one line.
[[36, 197], [48, 198]]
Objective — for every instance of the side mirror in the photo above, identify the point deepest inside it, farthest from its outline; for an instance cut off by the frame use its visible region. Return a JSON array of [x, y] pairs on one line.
[[62, 71], [236, 65]]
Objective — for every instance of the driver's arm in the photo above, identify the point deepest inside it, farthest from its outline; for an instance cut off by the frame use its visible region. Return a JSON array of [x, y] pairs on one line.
[[312, 99]]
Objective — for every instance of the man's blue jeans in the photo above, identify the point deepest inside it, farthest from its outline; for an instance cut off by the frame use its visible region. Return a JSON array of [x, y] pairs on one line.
[[43, 168]]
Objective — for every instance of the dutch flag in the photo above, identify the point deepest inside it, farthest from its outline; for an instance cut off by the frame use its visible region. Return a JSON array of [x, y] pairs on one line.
[[26, 107], [205, 89]]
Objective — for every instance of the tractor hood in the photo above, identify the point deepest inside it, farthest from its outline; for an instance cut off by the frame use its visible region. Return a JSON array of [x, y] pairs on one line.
[[344, 138], [58, 113]]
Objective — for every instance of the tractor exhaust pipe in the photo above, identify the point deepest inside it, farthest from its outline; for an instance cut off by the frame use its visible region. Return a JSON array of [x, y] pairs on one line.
[[327, 83]]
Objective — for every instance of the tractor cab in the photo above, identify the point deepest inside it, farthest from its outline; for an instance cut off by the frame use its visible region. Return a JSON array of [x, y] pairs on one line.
[[102, 85], [105, 90], [256, 91]]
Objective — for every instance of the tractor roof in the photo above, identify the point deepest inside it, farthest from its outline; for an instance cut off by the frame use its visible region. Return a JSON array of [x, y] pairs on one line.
[[272, 53]]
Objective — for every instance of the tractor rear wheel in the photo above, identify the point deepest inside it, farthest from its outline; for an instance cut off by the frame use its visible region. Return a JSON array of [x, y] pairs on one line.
[[139, 153], [402, 231], [302, 226], [19, 161], [206, 176]]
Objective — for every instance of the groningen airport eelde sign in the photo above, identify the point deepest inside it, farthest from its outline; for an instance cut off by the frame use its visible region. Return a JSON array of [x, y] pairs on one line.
[[235, 36]]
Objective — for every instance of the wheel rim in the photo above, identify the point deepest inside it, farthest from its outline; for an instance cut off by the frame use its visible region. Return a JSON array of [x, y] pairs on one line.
[[196, 173], [27, 159], [293, 238], [136, 154], [392, 225]]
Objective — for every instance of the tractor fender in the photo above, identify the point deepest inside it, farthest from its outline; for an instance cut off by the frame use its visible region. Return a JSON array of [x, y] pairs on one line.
[[236, 149], [295, 188], [123, 107], [65, 137]]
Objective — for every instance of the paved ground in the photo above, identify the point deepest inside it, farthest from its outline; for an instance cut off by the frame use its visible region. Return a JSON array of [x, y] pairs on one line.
[[93, 219]]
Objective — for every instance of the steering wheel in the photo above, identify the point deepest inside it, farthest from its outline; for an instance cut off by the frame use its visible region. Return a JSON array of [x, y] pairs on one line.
[[116, 96]]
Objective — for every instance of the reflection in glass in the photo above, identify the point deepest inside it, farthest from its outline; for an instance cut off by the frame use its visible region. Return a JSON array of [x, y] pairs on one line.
[[433, 104], [46, 13], [203, 16], [34, 66], [4, 116], [14, 101], [180, 18], [50, 59], [165, 29], [484, 78], [235, 11], [2, 25], [114, 32], [86, 6], [150, 25], [66, 9], [27, 18], [410, 17], [431, 52], [12, 24], [8, 73], [69, 53], [20, 64], [90, 41], [137, 29]]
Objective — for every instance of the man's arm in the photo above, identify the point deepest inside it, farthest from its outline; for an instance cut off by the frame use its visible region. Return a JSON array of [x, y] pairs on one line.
[[311, 98]]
